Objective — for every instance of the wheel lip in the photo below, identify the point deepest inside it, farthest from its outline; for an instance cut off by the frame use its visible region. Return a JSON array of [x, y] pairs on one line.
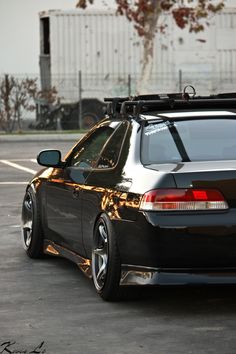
[[99, 285], [27, 221]]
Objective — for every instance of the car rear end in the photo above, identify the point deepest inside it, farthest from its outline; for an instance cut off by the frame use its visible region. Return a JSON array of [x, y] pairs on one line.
[[189, 228]]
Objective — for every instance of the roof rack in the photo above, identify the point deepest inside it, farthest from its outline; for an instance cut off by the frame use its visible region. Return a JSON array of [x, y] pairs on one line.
[[114, 105], [132, 107]]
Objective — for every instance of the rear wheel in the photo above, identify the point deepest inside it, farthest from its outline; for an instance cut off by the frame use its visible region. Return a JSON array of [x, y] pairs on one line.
[[106, 260], [32, 235]]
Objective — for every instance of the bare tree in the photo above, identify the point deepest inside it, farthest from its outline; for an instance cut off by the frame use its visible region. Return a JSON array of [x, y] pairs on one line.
[[145, 15], [6, 109], [49, 96], [15, 97], [23, 96]]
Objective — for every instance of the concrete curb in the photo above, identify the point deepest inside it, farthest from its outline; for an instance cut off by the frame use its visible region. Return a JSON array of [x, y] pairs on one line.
[[40, 137]]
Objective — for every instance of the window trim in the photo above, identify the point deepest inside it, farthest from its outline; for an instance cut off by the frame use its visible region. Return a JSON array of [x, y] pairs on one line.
[[68, 156], [84, 139], [121, 148]]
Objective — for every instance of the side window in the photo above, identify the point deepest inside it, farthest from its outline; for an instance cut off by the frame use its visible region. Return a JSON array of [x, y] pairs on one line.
[[111, 152], [86, 155]]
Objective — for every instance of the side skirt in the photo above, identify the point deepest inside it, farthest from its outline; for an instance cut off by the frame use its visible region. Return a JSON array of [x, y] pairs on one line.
[[141, 275], [54, 249]]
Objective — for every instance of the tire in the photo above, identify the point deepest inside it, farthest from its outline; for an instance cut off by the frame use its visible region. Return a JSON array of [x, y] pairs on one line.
[[106, 266], [32, 234], [89, 120]]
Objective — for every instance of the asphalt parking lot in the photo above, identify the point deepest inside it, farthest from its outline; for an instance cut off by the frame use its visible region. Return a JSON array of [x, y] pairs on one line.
[[48, 306]]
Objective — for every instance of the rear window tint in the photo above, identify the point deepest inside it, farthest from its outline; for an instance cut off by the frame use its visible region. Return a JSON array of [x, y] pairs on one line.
[[189, 140]]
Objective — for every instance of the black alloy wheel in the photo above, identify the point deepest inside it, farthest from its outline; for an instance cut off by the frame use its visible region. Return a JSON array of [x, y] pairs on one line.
[[106, 260], [32, 235]]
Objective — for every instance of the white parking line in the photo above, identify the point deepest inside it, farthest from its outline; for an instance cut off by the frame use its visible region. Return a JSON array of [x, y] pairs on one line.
[[19, 167], [12, 183], [22, 160]]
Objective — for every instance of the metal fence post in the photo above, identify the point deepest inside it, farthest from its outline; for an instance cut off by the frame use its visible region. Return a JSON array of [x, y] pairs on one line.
[[180, 81], [80, 116], [129, 85]]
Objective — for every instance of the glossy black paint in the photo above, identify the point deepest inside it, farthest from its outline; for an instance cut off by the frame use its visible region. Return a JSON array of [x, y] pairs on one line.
[[72, 198]]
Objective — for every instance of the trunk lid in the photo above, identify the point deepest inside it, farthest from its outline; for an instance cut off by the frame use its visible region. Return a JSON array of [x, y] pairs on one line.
[[220, 175]]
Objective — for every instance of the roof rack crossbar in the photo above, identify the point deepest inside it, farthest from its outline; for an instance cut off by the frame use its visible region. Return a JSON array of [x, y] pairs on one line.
[[127, 104], [140, 104], [113, 104]]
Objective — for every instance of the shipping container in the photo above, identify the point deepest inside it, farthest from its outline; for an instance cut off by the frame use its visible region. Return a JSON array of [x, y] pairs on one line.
[[107, 51]]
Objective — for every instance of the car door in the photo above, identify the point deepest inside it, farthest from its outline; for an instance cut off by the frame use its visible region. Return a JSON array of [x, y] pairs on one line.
[[106, 183], [64, 190]]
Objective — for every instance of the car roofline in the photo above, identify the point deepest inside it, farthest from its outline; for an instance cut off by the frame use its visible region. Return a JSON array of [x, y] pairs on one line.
[[189, 115]]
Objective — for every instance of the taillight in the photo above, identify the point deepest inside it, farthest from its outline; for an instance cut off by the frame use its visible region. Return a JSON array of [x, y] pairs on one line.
[[183, 199]]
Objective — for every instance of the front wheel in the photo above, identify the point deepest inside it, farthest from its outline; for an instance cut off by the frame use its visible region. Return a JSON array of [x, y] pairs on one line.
[[32, 234], [106, 260]]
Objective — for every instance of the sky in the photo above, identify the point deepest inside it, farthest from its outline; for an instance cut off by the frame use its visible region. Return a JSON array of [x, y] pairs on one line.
[[19, 32]]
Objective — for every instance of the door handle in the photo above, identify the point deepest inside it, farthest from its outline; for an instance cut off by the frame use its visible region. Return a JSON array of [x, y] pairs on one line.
[[75, 192]]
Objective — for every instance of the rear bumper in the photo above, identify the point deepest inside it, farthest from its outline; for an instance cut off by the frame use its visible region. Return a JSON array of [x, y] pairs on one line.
[[137, 275], [200, 241]]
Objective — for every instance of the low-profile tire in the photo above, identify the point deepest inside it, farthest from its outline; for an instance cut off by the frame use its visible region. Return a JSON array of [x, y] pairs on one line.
[[106, 266], [32, 234]]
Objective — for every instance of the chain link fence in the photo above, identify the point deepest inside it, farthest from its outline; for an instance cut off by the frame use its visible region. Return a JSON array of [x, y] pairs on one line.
[[81, 95], [72, 87]]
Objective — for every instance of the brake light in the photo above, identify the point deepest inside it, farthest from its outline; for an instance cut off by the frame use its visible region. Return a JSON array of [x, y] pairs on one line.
[[183, 199]]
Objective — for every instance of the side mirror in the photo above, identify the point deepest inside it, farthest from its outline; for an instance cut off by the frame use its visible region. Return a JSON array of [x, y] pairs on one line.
[[50, 158]]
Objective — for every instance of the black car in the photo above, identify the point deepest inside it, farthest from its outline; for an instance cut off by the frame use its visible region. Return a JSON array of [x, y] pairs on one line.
[[146, 197]]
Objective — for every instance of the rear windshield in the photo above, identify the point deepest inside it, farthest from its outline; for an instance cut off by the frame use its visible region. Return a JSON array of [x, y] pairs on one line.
[[189, 140]]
